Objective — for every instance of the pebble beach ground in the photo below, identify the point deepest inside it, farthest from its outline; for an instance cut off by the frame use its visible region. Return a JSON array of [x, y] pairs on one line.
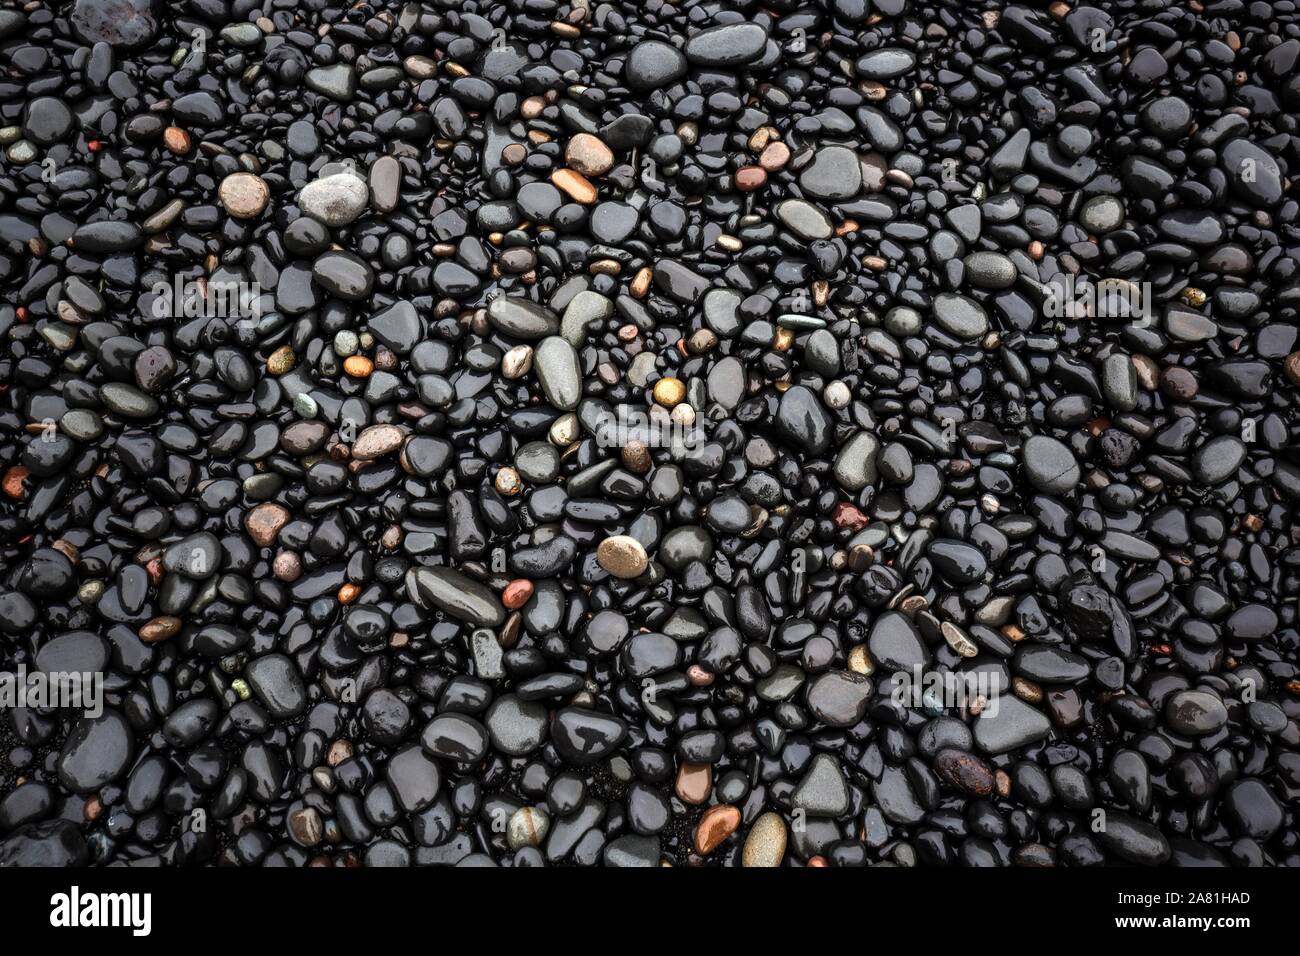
[[839, 433]]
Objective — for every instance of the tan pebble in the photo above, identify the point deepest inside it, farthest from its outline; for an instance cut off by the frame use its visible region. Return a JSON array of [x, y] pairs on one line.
[[1002, 783], [589, 155], [281, 360], [701, 341], [517, 362], [176, 140], [340, 750], [640, 285], [765, 844], [564, 430], [1148, 372], [244, 195], [377, 441], [958, 640], [774, 157], [860, 660], [1026, 690], [622, 556], [574, 185], [514, 154]]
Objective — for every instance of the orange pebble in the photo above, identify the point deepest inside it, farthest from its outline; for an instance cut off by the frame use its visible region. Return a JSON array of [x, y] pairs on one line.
[[358, 366], [14, 481], [718, 823], [349, 593], [176, 140]]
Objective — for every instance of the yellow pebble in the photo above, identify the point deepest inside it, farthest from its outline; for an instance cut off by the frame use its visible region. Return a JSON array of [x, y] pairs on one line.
[[669, 392]]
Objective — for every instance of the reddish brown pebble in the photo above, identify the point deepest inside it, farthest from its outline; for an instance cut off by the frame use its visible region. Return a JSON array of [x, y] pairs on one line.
[[160, 628], [636, 457], [845, 515], [517, 593], [965, 772], [264, 522], [750, 178], [694, 783], [698, 676], [1292, 368], [716, 825], [1178, 383]]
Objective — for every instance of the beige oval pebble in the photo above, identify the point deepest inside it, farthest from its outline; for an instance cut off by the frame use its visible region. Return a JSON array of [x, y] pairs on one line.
[[517, 362], [588, 155], [377, 441], [622, 556], [244, 195], [765, 844]]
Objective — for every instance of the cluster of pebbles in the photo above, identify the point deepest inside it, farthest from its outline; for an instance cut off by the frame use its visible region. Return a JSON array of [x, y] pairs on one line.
[[605, 432]]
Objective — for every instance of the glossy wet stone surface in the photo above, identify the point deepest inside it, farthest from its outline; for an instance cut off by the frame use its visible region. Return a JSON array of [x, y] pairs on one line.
[[624, 435]]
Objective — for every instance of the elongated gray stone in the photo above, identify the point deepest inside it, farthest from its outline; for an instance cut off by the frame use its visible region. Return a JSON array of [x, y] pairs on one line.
[[556, 363], [522, 318]]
